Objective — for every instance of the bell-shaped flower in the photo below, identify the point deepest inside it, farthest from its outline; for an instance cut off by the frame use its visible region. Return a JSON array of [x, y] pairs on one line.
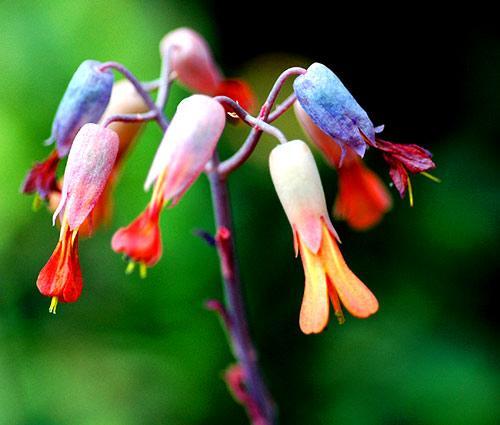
[[327, 276], [89, 165], [362, 198], [187, 146], [124, 100], [84, 101], [194, 66], [335, 111]]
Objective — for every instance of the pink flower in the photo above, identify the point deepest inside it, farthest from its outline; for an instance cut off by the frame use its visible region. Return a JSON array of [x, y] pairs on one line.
[[187, 146], [90, 162]]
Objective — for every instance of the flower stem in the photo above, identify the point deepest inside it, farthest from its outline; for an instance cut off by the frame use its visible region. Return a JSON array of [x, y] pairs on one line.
[[234, 162], [162, 121], [261, 409]]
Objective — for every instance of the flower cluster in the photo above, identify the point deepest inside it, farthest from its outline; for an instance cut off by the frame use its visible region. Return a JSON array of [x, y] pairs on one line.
[[98, 121]]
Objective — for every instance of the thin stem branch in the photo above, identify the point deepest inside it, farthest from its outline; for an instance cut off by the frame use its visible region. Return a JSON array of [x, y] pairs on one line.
[[250, 120], [165, 81], [160, 118], [146, 116], [232, 163], [238, 332], [282, 108]]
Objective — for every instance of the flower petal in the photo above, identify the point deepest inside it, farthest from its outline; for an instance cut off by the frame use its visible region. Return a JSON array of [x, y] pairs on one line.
[[315, 309], [353, 293]]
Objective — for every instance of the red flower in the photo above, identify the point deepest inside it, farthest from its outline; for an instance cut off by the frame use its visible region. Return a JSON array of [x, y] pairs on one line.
[[90, 161], [41, 179], [239, 91], [61, 278], [362, 199], [140, 241]]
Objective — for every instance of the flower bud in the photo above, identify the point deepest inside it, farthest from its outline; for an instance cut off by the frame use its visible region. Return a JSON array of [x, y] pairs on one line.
[[188, 144], [298, 184], [333, 109], [192, 60], [125, 100], [83, 102], [90, 162]]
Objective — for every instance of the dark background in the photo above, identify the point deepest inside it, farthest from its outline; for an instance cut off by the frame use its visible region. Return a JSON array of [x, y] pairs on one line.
[[146, 352]]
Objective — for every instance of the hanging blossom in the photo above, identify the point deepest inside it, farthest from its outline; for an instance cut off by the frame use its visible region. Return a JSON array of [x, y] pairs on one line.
[[84, 101], [362, 198], [90, 162], [124, 100], [297, 182], [194, 66], [187, 146], [335, 111]]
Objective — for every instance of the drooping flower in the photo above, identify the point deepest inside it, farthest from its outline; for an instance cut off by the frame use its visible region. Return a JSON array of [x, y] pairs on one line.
[[187, 146], [84, 101], [124, 100], [89, 164], [194, 66], [335, 111], [362, 198], [299, 189]]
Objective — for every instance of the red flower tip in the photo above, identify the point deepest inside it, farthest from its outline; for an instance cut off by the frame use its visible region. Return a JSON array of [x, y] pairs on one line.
[[61, 278], [239, 91], [141, 239], [403, 159], [42, 177], [362, 199]]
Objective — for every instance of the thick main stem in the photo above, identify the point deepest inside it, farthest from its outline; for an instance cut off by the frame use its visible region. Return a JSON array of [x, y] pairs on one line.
[[238, 327]]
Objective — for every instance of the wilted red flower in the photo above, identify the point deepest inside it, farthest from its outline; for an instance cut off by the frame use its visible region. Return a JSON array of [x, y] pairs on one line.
[[299, 188], [41, 179]]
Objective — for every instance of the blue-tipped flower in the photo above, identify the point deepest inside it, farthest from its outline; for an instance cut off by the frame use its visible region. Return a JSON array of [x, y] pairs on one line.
[[84, 101], [333, 109]]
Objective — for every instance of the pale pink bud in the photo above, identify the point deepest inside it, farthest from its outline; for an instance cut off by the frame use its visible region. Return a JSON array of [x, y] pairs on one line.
[[188, 144], [124, 100], [298, 184], [90, 162], [192, 60]]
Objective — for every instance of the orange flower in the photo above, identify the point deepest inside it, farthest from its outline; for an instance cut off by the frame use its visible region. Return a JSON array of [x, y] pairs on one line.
[[362, 198], [299, 188]]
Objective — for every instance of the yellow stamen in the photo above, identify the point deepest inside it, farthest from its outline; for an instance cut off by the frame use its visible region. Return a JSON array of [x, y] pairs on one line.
[[143, 270], [410, 192], [53, 305], [431, 177], [340, 317], [130, 267], [37, 203]]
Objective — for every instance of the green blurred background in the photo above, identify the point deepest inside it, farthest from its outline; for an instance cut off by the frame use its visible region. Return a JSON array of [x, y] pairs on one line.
[[146, 352]]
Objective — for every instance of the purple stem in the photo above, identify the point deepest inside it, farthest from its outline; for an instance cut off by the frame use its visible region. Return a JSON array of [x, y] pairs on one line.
[[250, 120], [232, 163], [162, 121], [240, 340], [146, 116]]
